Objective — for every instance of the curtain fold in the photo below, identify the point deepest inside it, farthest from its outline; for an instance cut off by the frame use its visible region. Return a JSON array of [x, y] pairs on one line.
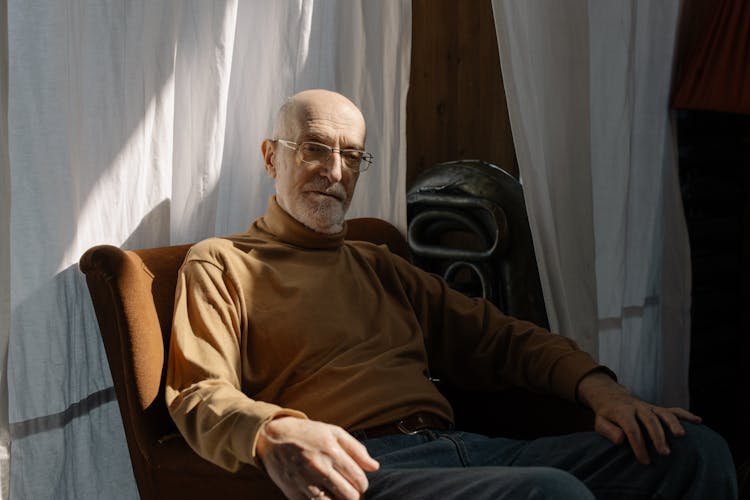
[[543, 54], [588, 87], [4, 252], [138, 124]]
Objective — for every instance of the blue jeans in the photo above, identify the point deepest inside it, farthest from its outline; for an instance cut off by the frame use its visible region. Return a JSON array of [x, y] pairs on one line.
[[452, 465]]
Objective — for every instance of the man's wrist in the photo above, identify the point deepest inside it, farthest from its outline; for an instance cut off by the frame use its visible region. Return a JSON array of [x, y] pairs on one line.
[[269, 431], [595, 384]]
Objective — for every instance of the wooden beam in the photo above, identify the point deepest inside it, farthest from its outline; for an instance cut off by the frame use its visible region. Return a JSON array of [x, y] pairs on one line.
[[456, 105]]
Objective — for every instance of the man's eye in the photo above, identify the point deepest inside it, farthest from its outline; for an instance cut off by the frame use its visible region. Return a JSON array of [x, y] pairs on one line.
[[352, 154], [312, 148]]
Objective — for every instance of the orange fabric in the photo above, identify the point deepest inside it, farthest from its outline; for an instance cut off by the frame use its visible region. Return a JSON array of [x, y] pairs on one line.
[[282, 318]]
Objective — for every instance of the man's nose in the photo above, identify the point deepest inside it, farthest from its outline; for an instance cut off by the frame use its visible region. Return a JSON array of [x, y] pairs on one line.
[[334, 168]]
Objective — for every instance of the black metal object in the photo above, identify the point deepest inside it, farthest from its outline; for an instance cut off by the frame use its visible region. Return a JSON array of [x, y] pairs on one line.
[[468, 223]]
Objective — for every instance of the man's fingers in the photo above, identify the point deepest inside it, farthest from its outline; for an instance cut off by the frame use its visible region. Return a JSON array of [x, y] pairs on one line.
[[339, 486], [629, 425], [686, 415], [609, 430], [326, 479], [358, 452], [351, 472], [309, 458], [621, 429], [351, 458], [342, 475], [669, 418], [615, 407], [652, 422]]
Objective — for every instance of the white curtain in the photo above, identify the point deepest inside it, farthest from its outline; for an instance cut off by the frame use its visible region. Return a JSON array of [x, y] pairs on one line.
[[587, 85], [4, 253], [138, 123]]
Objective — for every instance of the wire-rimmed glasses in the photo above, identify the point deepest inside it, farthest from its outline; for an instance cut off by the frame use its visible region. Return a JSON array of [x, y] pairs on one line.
[[316, 153]]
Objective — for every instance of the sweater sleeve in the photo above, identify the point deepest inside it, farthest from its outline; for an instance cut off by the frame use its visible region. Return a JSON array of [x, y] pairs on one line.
[[473, 345], [203, 387]]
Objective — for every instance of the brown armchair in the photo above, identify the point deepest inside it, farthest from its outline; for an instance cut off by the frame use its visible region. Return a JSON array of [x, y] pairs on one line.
[[133, 296]]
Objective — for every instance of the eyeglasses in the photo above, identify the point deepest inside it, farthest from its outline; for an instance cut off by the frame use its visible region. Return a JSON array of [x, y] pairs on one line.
[[316, 153]]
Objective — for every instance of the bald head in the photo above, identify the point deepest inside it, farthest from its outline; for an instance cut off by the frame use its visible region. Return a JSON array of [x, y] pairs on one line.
[[317, 194], [298, 108]]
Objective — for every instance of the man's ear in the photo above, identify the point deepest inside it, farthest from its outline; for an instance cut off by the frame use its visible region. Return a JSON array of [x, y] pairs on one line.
[[269, 156]]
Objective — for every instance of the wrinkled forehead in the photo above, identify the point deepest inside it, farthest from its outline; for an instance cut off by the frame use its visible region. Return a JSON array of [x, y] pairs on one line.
[[329, 116]]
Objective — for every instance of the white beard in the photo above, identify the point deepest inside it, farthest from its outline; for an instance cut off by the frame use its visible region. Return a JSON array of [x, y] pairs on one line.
[[324, 214], [324, 217]]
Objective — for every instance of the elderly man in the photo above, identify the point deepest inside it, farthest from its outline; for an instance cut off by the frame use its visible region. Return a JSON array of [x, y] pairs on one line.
[[289, 341]]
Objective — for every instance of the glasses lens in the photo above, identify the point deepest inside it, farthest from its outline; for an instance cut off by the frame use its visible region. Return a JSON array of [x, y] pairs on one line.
[[312, 152], [316, 153], [352, 157]]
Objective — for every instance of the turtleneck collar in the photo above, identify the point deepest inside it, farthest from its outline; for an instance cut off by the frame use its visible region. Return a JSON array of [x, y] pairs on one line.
[[289, 230]]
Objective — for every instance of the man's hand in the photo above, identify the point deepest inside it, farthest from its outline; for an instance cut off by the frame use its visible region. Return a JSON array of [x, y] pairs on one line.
[[620, 416], [309, 459]]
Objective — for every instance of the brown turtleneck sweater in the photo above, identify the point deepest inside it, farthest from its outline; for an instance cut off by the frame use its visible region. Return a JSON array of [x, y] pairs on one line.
[[282, 320]]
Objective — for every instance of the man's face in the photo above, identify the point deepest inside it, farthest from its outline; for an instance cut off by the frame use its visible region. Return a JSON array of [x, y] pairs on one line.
[[318, 196]]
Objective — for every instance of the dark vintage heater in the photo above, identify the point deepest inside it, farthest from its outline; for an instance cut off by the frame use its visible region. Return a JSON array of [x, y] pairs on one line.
[[468, 223]]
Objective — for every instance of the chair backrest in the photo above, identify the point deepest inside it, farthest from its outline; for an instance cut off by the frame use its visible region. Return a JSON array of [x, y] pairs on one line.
[[133, 296]]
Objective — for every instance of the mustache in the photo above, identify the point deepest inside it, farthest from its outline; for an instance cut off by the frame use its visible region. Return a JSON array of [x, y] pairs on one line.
[[321, 184]]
